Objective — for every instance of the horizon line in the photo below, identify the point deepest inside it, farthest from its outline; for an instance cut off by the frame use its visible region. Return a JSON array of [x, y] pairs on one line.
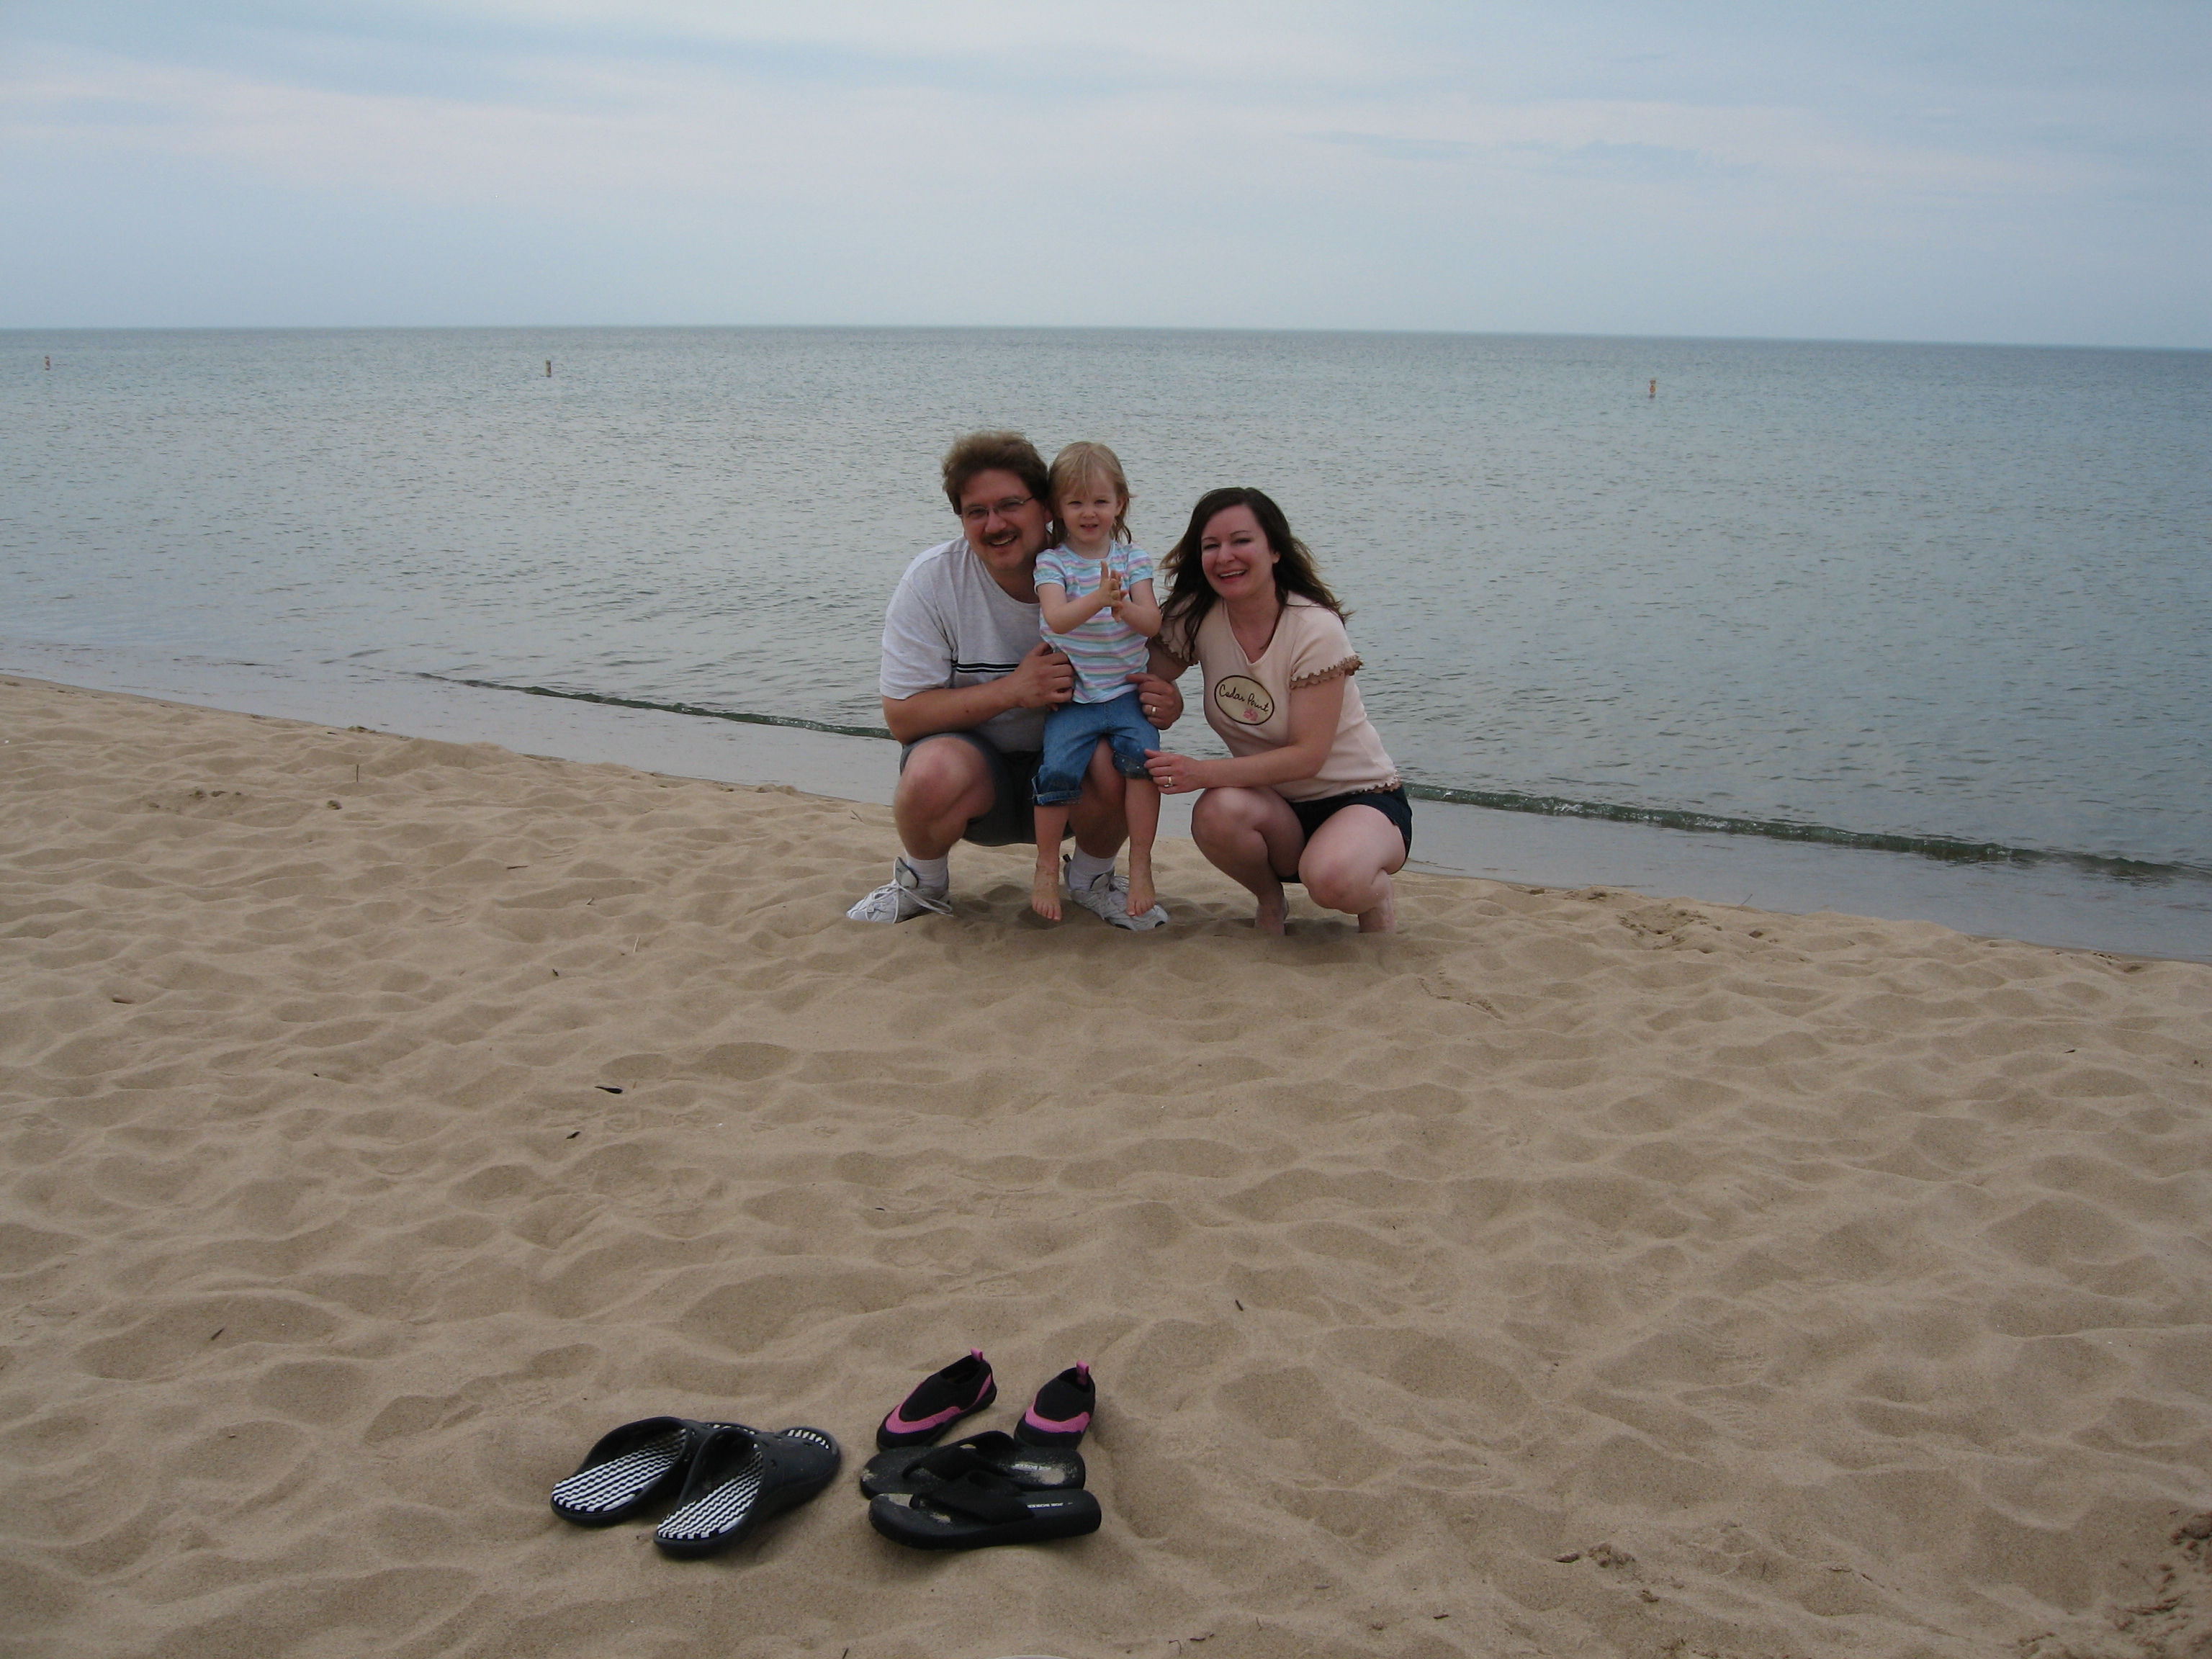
[[1074, 328]]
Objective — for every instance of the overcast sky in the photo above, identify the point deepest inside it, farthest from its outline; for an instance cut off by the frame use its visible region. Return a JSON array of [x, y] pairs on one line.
[[2006, 172]]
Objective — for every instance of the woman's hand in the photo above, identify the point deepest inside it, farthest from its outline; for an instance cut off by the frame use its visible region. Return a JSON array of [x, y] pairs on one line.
[[1173, 774]]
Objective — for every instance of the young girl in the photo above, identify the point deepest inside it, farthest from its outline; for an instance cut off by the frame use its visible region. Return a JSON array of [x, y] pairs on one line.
[[1096, 591]]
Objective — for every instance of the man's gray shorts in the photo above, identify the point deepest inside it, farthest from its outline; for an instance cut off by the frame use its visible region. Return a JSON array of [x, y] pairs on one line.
[[1011, 820]]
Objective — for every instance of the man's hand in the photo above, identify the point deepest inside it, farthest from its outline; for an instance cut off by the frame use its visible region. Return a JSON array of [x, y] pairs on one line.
[[1160, 700], [1043, 679]]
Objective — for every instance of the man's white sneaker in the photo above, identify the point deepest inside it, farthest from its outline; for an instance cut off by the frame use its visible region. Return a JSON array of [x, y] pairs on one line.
[[1107, 897], [899, 899]]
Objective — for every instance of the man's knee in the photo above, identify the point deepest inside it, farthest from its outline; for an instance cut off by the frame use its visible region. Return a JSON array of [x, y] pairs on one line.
[[941, 775]]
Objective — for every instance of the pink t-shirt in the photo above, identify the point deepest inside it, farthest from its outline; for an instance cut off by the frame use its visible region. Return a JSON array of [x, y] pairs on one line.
[[1249, 701]]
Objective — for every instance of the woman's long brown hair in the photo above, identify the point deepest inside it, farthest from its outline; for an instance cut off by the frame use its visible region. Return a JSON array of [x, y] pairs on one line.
[[1190, 596]]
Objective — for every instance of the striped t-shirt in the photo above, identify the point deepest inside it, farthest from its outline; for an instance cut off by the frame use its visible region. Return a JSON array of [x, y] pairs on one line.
[[1105, 651]]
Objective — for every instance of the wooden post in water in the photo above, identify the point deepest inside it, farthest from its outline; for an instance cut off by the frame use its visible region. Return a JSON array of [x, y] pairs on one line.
[[549, 370]]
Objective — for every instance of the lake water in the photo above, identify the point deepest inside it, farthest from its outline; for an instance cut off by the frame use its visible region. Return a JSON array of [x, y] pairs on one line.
[[1951, 598]]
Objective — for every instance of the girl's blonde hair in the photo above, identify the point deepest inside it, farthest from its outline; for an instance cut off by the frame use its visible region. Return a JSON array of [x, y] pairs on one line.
[[1081, 463]]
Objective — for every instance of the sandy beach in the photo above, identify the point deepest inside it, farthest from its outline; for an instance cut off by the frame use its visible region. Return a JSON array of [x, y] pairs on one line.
[[1575, 1273]]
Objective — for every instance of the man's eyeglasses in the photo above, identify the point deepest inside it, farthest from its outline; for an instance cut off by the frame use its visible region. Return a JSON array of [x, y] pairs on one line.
[[977, 512]]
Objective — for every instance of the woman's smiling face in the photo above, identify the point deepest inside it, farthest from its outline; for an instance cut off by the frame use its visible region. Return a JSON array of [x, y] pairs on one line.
[[1233, 551]]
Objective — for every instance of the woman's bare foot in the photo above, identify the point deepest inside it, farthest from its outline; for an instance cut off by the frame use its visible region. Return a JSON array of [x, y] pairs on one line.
[[1383, 918], [1274, 911], [1044, 892], [1141, 895]]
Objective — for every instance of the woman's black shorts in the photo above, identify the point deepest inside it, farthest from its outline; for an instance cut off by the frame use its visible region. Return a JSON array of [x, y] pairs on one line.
[[1391, 803]]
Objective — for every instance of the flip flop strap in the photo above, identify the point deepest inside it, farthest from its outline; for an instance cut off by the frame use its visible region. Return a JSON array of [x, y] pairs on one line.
[[972, 1498], [947, 1462]]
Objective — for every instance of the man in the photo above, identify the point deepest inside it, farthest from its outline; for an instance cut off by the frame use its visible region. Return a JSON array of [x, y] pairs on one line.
[[966, 682]]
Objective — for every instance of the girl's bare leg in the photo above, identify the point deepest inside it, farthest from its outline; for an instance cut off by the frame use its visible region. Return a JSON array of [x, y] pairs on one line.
[[1142, 802], [1348, 864], [1096, 813], [1249, 835], [1044, 886]]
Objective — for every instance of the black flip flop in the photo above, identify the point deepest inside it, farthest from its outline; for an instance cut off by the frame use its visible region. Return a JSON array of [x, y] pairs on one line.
[[629, 1469], [920, 1468], [978, 1510], [740, 1477]]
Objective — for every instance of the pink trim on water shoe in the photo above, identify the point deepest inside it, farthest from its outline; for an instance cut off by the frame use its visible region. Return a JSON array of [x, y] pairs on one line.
[[898, 1424], [1076, 1425], [1067, 1418], [945, 1407]]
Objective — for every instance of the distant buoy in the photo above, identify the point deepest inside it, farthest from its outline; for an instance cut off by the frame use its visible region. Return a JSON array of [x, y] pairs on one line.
[[549, 370], [1655, 388]]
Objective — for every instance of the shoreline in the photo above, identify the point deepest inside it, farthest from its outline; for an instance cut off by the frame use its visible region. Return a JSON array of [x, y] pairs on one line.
[[1569, 1274], [2049, 904]]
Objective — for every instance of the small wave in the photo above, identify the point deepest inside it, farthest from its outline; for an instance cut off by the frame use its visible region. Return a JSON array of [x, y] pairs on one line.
[[612, 702], [1949, 849], [1946, 848]]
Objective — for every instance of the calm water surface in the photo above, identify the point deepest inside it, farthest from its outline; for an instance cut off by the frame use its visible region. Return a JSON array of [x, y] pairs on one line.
[[1900, 592]]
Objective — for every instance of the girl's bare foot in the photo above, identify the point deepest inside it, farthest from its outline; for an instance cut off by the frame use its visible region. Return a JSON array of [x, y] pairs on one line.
[[1044, 892], [1383, 918], [1141, 895], [1273, 914]]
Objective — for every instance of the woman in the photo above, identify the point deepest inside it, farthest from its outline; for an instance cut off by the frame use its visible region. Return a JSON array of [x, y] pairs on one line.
[[1308, 793]]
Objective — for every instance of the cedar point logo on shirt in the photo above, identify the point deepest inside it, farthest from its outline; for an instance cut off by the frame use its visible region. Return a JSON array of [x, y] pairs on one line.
[[1243, 699]]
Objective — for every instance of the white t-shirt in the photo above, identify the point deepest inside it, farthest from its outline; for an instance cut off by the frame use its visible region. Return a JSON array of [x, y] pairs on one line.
[[950, 625]]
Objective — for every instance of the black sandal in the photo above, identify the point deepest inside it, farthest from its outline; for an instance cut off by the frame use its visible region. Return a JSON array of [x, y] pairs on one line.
[[740, 1477], [629, 1469], [978, 1510]]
